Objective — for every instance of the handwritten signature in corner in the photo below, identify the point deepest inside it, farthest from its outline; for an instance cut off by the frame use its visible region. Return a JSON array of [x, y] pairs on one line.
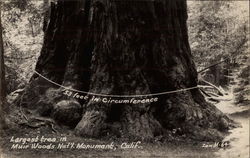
[[216, 145]]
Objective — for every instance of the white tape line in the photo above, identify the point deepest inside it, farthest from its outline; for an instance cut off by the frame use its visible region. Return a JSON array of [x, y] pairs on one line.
[[117, 96]]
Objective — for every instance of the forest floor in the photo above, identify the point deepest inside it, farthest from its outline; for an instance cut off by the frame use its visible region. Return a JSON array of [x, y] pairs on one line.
[[169, 149], [238, 138]]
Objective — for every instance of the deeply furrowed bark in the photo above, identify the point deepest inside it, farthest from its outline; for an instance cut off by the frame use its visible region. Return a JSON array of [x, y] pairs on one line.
[[124, 48]]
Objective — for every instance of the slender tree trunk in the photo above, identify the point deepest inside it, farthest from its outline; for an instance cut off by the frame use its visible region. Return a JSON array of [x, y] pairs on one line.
[[2, 79], [46, 14], [122, 48]]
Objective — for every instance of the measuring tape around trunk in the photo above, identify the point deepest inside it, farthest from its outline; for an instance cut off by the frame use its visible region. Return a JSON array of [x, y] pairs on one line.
[[117, 96]]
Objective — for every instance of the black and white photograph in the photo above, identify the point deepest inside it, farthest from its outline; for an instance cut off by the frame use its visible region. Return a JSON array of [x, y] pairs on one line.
[[124, 79]]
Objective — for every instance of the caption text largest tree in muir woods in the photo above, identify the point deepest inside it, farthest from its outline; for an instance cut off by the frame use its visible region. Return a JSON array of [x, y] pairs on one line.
[[121, 47]]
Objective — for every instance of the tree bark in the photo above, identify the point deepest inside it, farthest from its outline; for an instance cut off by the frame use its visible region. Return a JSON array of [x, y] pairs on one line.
[[122, 48]]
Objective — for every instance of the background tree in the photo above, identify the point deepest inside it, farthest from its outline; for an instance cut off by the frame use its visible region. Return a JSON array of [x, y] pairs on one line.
[[219, 34], [122, 48], [22, 34], [2, 78]]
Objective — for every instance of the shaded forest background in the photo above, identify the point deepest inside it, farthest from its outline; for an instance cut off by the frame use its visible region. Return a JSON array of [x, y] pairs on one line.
[[217, 35]]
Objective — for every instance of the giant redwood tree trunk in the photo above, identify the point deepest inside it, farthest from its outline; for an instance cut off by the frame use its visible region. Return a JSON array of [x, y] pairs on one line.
[[121, 47]]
